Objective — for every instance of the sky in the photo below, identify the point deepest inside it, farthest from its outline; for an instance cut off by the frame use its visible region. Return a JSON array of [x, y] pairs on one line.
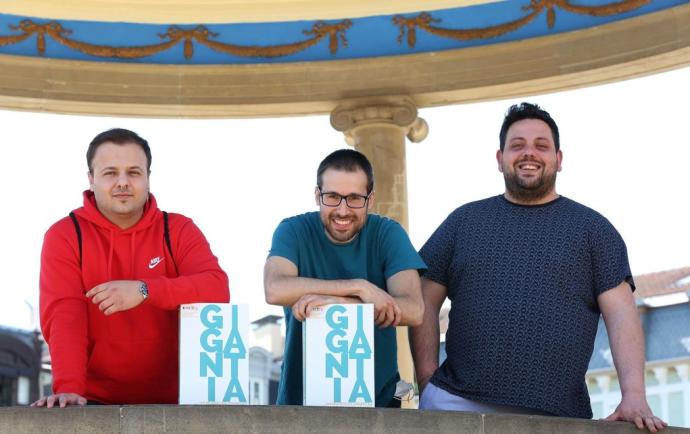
[[625, 145]]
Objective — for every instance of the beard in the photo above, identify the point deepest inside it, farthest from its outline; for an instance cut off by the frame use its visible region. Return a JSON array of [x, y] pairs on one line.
[[342, 236], [529, 190]]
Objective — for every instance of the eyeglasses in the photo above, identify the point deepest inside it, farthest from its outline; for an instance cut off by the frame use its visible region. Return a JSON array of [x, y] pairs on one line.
[[351, 200]]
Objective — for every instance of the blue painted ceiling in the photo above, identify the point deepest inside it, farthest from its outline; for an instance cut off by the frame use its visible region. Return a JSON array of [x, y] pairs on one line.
[[301, 41]]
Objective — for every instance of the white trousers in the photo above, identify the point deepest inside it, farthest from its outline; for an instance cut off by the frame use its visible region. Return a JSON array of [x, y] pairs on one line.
[[435, 398]]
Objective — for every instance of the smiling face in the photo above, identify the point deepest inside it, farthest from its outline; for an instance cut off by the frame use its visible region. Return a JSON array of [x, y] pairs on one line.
[[120, 182], [529, 163], [342, 223]]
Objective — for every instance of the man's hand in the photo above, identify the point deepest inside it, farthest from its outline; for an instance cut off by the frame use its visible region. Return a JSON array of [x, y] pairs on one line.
[[637, 411], [386, 310], [116, 296], [60, 399], [301, 309]]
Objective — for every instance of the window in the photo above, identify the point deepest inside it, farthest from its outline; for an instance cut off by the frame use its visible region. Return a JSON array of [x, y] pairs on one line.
[[255, 395]]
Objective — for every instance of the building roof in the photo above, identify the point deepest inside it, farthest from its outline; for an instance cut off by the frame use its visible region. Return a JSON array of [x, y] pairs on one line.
[[26, 336], [268, 319], [663, 282]]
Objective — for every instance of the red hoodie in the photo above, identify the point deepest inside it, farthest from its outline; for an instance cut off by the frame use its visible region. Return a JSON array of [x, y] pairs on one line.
[[130, 357]]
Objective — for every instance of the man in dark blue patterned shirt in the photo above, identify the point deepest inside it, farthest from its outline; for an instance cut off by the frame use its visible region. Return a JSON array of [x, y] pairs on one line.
[[528, 274]]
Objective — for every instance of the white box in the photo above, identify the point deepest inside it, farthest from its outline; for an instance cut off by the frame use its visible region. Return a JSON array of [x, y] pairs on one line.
[[338, 356], [214, 356]]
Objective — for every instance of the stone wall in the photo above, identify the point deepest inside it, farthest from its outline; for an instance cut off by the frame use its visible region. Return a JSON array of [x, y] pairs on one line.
[[270, 419]]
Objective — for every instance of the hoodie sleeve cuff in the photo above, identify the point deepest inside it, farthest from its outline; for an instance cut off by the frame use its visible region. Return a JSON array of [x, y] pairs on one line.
[[71, 387]]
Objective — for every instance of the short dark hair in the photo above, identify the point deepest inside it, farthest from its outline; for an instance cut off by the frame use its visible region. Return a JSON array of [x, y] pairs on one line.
[[119, 136], [348, 160], [525, 110]]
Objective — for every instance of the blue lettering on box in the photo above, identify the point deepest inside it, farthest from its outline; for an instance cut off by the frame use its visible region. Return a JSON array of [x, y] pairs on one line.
[[216, 352], [337, 361]]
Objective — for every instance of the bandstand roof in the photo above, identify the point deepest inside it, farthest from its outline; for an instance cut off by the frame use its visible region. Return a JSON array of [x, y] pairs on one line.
[[234, 58]]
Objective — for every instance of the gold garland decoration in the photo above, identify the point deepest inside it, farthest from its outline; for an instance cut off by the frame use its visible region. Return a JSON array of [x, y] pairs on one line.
[[425, 21], [13, 39], [174, 35], [320, 30]]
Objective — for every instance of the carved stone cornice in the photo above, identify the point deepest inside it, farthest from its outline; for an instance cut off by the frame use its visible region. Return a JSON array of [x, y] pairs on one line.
[[399, 112]]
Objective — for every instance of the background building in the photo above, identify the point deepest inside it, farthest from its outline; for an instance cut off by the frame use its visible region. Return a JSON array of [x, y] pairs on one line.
[[265, 359], [20, 366]]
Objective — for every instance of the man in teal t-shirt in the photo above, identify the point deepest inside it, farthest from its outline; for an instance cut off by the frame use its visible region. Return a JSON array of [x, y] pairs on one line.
[[342, 254]]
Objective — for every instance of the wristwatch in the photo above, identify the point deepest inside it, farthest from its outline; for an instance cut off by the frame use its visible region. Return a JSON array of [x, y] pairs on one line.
[[144, 290]]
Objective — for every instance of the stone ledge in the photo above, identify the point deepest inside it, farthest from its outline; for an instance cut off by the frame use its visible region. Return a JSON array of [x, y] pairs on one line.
[[288, 419]]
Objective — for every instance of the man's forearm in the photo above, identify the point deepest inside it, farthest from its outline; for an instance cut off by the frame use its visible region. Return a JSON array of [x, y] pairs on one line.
[[424, 339], [627, 347], [405, 289], [285, 291], [424, 344], [207, 286], [625, 338], [66, 331], [412, 310]]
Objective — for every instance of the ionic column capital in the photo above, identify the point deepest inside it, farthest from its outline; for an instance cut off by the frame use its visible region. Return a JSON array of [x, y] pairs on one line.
[[395, 112]]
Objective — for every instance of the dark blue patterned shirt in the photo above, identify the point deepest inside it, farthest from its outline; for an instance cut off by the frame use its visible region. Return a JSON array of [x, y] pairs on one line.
[[523, 282]]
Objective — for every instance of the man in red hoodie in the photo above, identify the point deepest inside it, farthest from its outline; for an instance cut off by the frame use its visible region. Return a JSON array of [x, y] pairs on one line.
[[112, 277]]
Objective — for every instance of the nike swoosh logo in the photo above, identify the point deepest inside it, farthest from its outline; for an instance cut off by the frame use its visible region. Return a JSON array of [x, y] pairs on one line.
[[155, 261]]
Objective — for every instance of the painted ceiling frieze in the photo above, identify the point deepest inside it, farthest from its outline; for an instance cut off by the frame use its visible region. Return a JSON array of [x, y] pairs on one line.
[[305, 41], [174, 36], [535, 8]]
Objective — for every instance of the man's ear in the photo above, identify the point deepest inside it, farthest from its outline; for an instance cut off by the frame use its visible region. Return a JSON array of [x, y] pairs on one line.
[[372, 199], [90, 176], [559, 158], [317, 196], [499, 160]]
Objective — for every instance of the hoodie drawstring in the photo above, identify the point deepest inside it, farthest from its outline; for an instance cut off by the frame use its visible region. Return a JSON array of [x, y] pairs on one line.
[[131, 250], [132, 246], [110, 254]]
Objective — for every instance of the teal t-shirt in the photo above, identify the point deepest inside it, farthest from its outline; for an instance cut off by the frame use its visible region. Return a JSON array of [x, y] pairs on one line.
[[380, 250]]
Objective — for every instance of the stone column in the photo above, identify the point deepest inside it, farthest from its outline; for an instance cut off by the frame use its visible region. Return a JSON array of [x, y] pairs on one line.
[[377, 128]]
